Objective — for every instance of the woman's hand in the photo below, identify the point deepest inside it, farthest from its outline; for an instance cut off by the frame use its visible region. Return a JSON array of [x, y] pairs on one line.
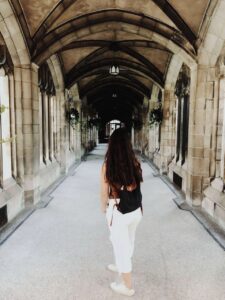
[[104, 208], [104, 190], [104, 211]]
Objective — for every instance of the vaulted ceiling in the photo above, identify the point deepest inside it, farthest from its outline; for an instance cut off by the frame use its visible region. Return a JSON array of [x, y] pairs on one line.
[[91, 35]]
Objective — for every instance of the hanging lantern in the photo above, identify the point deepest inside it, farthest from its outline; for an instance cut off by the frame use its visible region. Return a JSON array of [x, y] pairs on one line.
[[114, 70]]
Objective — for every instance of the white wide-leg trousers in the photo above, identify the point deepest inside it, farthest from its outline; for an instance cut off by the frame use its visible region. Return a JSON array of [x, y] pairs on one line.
[[122, 235]]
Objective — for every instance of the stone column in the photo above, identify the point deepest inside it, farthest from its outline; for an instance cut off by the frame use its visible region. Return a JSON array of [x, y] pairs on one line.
[[46, 128], [41, 128], [78, 131], [5, 130], [220, 133], [202, 101], [145, 127], [27, 119], [64, 145], [167, 141], [168, 127], [50, 127], [153, 134], [13, 123], [58, 125]]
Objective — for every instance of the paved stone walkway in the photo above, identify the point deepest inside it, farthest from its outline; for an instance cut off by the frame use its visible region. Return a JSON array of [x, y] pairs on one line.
[[60, 252]]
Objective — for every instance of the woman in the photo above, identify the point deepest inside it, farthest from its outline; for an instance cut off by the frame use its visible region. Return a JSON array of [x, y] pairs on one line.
[[121, 201]]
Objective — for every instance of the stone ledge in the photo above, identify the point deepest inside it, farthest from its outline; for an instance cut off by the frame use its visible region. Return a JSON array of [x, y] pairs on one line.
[[217, 184], [214, 203], [13, 196], [215, 196], [11, 226], [214, 227], [7, 230]]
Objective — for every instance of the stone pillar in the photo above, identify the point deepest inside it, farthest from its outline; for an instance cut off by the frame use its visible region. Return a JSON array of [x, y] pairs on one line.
[[168, 139], [84, 131], [153, 134], [5, 130], [58, 125], [220, 133], [41, 128], [50, 127], [145, 127], [78, 131], [168, 127], [64, 144], [13, 123], [27, 118], [202, 101], [46, 127]]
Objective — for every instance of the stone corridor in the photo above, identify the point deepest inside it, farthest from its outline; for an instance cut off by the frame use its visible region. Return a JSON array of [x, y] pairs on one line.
[[61, 251]]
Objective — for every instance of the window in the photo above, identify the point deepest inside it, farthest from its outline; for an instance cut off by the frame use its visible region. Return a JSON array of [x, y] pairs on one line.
[[47, 115], [182, 92]]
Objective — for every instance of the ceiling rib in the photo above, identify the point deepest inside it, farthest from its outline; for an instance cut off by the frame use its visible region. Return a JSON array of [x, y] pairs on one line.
[[100, 80], [169, 10], [105, 43], [57, 11], [117, 83], [126, 50], [114, 15], [74, 75]]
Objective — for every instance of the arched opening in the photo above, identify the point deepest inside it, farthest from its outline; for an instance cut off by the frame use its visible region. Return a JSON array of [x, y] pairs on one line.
[[104, 134]]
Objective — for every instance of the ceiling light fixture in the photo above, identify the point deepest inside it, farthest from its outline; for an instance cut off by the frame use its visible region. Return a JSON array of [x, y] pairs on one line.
[[114, 70]]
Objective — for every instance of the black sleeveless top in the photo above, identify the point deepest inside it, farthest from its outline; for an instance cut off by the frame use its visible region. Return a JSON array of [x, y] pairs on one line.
[[129, 200]]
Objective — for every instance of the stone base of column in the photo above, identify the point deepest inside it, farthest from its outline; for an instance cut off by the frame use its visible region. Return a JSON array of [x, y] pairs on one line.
[[32, 197], [194, 194], [13, 197], [194, 198], [31, 190], [214, 201]]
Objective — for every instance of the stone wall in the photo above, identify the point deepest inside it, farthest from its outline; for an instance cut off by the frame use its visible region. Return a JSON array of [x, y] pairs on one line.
[[29, 170]]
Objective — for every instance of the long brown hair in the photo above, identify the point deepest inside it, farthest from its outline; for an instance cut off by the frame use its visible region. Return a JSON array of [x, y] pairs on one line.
[[122, 167]]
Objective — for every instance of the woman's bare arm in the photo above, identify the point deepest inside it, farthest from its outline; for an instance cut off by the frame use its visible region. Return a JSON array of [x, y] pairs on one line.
[[104, 189]]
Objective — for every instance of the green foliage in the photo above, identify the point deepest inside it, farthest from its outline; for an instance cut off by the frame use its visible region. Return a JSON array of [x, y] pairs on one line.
[[3, 108], [8, 140], [156, 116], [73, 117]]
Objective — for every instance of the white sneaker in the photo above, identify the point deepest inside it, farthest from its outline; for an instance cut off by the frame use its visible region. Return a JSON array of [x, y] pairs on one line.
[[120, 288], [112, 268]]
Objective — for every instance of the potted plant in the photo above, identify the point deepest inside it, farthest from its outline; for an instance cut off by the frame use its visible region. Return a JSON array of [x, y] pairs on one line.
[[2, 108], [9, 139], [156, 116], [73, 116]]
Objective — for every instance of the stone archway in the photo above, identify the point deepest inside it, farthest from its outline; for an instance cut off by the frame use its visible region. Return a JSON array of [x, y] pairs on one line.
[[12, 35]]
